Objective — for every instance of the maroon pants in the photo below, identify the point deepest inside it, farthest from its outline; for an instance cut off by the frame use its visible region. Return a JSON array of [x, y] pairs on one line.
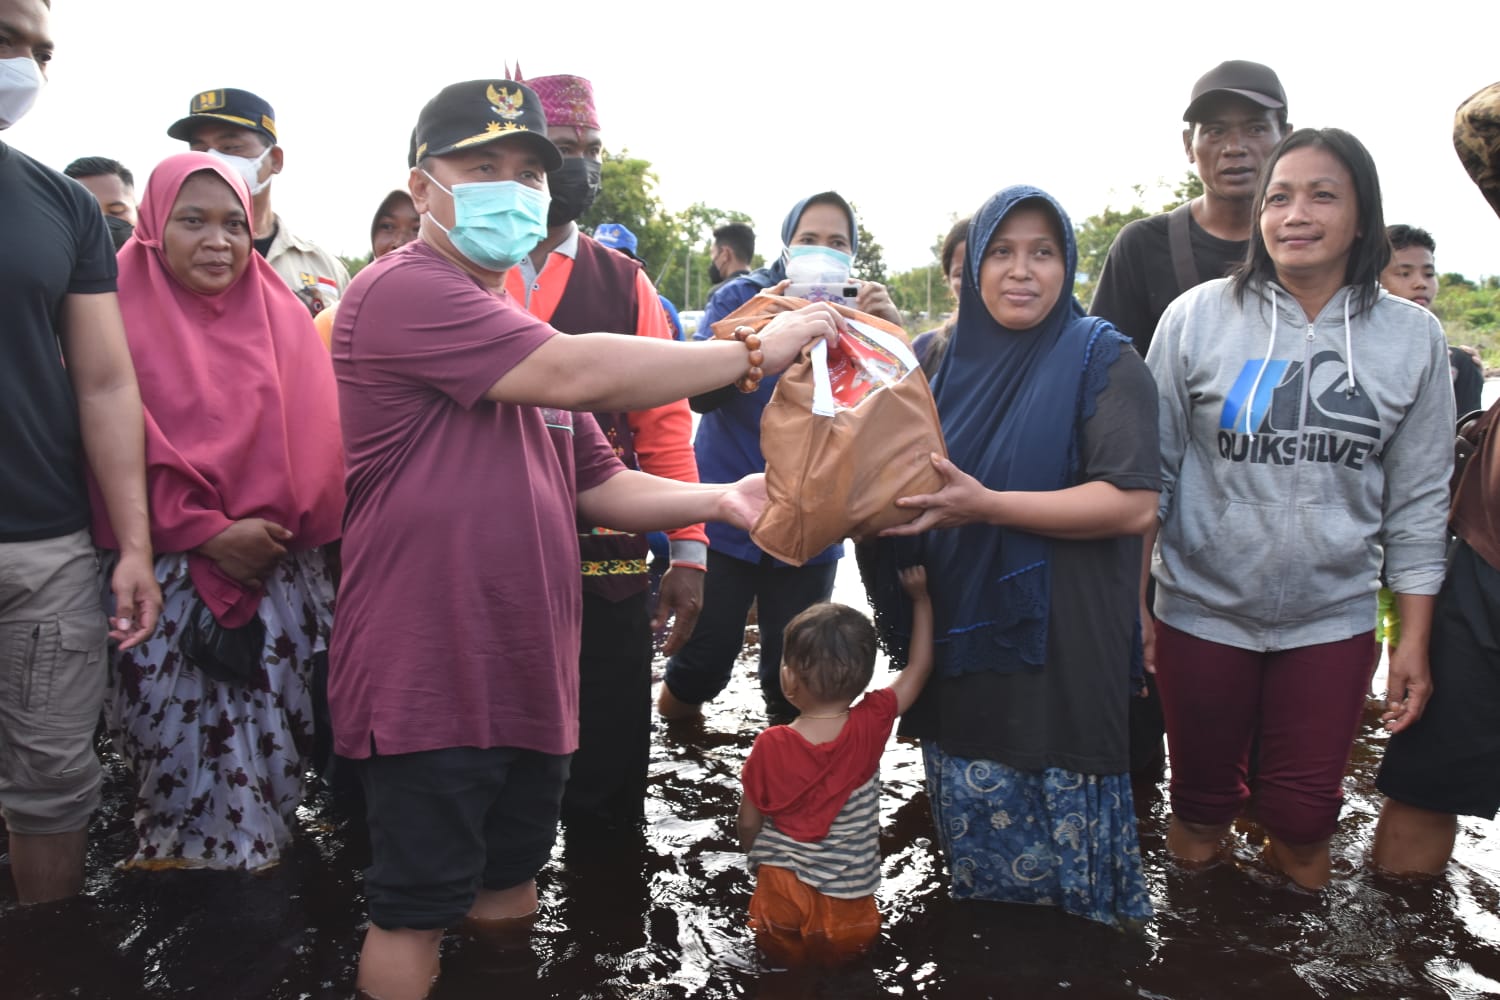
[[1302, 705]]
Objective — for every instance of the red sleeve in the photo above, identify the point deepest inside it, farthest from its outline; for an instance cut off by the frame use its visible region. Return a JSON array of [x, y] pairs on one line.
[[760, 769], [663, 434]]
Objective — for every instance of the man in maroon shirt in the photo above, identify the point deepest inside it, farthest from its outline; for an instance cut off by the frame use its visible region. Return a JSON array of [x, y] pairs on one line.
[[471, 457]]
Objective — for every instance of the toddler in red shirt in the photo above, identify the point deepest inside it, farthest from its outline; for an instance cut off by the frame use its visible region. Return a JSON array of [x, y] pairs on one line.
[[810, 816]]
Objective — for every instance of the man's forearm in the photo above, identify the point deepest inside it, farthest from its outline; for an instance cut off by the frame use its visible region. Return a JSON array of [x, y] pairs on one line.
[[635, 501], [114, 443]]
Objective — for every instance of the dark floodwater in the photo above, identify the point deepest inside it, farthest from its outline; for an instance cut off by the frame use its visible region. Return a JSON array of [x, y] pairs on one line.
[[663, 917]]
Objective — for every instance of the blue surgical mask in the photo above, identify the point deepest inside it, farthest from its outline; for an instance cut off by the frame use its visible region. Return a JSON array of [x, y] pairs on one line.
[[809, 262], [495, 223]]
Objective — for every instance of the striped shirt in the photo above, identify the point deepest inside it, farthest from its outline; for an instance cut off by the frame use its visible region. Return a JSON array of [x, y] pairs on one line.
[[844, 864]]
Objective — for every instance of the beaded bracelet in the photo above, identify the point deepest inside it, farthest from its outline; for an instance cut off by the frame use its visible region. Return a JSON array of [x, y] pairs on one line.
[[750, 381]]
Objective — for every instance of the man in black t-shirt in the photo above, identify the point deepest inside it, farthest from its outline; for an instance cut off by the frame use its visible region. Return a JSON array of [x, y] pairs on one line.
[[67, 390], [1236, 116]]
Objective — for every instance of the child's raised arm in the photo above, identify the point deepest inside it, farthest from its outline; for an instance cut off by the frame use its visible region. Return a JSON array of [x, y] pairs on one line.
[[909, 682]]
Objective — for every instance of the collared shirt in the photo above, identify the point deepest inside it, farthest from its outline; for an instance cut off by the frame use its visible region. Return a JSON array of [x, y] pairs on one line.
[[317, 276]]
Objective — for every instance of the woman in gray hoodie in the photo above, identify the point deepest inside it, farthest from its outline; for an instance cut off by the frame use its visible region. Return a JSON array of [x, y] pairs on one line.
[[1307, 429]]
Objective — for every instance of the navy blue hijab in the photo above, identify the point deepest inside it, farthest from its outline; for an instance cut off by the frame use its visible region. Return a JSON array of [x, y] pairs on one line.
[[775, 272], [1013, 404]]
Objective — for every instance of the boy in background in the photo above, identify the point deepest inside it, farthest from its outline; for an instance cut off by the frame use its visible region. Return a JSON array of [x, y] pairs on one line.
[[810, 816], [1412, 274]]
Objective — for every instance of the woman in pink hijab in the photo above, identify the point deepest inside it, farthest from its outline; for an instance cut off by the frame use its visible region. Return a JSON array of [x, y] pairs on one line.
[[245, 478]]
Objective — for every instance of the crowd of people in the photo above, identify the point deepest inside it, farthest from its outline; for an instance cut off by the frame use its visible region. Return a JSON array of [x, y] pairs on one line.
[[270, 522]]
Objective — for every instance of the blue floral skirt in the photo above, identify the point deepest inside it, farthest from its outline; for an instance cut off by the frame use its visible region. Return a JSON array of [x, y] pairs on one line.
[[1054, 837]]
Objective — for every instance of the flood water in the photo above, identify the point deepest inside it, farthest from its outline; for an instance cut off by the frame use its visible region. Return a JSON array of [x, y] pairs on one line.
[[663, 916]]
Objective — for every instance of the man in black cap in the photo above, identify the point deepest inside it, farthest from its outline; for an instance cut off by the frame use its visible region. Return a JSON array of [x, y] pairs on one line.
[[240, 128], [1235, 117], [472, 459]]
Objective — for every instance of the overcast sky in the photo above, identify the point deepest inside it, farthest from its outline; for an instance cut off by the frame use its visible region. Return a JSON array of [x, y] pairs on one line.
[[914, 111]]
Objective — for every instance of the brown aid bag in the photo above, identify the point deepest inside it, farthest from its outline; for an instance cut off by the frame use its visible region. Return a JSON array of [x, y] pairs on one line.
[[838, 457]]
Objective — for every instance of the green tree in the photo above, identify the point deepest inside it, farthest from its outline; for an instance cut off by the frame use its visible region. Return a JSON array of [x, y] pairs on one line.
[[1190, 188], [922, 294], [1470, 313], [869, 260], [355, 264], [674, 247], [1097, 233], [627, 195]]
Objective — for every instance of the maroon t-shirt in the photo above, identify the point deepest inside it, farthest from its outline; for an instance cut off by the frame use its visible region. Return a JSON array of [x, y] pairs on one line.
[[458, 614]]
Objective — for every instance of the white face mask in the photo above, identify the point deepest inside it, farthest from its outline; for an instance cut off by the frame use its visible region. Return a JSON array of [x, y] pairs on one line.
[[20, 81], [248, 167]]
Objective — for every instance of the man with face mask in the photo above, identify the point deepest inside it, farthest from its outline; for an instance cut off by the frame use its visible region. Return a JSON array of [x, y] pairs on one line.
[[576, 285], [67, 393], [472, 459], [239, 128], [734, 249]]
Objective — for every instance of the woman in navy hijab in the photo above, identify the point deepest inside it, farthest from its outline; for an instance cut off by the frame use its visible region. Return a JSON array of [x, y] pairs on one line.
[[1033, 553]]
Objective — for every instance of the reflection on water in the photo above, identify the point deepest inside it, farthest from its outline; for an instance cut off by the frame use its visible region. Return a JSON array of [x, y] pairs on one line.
[[662, 916]]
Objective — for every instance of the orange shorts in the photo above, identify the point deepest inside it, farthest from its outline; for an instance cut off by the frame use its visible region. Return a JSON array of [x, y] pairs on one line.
[[796, 924]]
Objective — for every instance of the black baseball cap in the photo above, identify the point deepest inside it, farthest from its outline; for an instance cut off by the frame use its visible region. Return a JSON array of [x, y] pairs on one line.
[[237, 107], [468, 114], [1249, 80]]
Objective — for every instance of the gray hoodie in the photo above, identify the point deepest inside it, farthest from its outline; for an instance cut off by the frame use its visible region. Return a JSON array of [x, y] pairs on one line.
[[1275, 515]]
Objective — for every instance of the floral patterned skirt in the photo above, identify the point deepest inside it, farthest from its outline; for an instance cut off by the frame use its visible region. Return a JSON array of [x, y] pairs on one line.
[[1056, 837], [219, 767]]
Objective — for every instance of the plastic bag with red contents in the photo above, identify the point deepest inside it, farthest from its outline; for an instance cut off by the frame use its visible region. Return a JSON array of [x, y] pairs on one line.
[[848, 430]]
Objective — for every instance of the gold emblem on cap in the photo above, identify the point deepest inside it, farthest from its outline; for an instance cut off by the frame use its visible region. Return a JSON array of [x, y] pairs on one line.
[[505, 102], [490, 131], [209, 100]]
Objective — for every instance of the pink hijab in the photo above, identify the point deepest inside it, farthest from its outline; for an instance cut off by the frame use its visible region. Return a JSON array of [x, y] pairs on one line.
[[241, 405]]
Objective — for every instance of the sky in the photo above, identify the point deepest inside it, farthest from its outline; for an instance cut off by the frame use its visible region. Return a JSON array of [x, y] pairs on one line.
[[916, 112]]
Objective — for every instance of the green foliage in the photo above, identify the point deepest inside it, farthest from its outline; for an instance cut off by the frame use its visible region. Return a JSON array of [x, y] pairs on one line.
[[627, 195], [869, 261], [922, 293], [1471, 314], [1190, 188], [922, 296], [675, 248], [1095, 236], [356, 264], [1097, 233]]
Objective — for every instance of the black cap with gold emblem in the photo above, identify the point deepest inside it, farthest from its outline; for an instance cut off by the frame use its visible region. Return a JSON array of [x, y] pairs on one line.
[[479, 111], [237, 107]]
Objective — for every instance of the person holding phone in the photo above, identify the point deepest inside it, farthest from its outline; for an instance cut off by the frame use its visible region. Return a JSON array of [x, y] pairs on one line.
[[728, 447]]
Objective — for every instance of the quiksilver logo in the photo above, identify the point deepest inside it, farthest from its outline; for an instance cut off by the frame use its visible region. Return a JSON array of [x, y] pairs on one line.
[[1337, 427]]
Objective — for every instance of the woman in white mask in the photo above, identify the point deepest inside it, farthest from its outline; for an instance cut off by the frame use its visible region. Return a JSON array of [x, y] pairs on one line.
[[821, 238]]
